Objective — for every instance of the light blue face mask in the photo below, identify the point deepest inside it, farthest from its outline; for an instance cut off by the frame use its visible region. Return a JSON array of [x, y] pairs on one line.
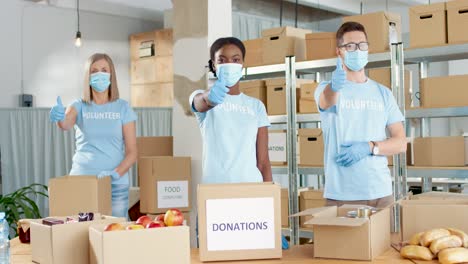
[[356, 60], [99, 81], [229, 73]]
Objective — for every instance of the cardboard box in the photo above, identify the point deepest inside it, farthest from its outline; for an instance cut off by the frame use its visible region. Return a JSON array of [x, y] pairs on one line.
[[158, 69], [70, 195], [339, 237], [276, 94], [428, 25], [321, 45], [425, 214], [66, 243], [307, 104], [284, 207], [309, 199], [161, 245], [439, 151], [384, 77], [377, 28], [254, 52], [457, 21], [278, 43], [185, 214], [277, 147], [311, 147], [165, 183], [155, 146], [449, 91], [239, 221], [256, 89], [152, 95]]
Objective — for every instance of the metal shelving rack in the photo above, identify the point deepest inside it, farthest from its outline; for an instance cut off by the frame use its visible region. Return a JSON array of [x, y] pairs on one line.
[[291, 69], [423, 57]]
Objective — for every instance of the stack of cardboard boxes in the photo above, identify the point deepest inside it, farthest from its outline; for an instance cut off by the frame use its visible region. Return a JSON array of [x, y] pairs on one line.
[[165, 180], [438, 24], [276, 95], [152, 73]]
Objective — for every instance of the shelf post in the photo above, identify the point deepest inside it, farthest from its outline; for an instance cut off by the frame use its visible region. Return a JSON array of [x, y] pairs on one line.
[[426, 182], [291, 147]]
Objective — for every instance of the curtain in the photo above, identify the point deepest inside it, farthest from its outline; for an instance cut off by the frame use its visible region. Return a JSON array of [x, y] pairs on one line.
[[33, 150]]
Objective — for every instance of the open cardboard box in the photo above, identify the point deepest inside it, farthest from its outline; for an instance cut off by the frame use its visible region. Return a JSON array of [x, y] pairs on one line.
[[154, 245], [420, 213], [64, 243], [339, 237]]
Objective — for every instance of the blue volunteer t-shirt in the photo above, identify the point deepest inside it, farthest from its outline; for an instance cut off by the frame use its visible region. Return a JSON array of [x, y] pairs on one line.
[[229, 133], [99, 137], [362, 113]]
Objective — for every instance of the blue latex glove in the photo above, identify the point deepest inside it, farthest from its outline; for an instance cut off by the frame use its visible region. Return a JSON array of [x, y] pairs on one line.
[[218, 92], [284, 243], [338, 76], [352, 153], [57, 113], [114, 175]]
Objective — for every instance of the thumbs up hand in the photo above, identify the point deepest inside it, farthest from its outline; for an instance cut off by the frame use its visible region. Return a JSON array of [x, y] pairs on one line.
[[338, 76], [57, 113]]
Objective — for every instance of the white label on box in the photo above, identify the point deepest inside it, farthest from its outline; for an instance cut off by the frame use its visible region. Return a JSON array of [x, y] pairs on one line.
[[172, 194], [277, 147], [240, 224]]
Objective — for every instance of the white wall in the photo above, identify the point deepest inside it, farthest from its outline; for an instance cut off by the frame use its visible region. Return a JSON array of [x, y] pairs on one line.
[[52, 65]]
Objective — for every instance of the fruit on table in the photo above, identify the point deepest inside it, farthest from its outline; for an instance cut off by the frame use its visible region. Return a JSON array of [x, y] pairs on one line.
[[173, 217], [159, 217], [433, 234], [453, 255], [415, 239], [143, 220], [445, 242], [460, 234], [416, 253], [134, 227], [114, 227], [155, 224]]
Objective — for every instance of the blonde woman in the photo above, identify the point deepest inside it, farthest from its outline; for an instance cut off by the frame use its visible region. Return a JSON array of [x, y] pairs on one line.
[[105, 130]]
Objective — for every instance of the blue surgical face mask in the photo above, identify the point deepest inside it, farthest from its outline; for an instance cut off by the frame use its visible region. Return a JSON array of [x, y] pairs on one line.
[[99, 81], [229, 73], [356, 60]]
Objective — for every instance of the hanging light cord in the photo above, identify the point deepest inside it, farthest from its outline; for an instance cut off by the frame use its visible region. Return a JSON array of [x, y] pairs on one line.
[[78, 13], [295, 20]]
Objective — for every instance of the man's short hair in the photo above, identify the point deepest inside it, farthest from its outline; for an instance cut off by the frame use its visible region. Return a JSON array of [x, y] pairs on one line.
[[348, 27]]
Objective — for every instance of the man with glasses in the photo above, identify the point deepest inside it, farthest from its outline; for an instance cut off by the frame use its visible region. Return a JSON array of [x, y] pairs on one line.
[[355, 113]]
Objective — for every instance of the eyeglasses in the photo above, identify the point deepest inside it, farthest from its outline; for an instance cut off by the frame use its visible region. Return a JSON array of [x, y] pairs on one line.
[[363, 46]]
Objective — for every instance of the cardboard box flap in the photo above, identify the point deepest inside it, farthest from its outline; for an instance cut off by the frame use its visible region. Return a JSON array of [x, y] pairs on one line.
[[424, 10], [285, 31], [321, 35], [439, 196], [434, 202], [337, 221], [329, 211], [463, 5], [252, 84], [310, 132], [72, 177]]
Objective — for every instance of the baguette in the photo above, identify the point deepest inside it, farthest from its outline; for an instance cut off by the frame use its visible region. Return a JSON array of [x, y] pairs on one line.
[[453, 255], [433, 234], [460, 234], [445, 242], [416, 253]]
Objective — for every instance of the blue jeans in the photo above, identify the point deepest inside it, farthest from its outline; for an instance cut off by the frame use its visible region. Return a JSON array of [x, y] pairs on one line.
[[120, 200]]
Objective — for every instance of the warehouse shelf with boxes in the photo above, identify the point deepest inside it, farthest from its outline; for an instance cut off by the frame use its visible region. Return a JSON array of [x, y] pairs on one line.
[[386, 65]]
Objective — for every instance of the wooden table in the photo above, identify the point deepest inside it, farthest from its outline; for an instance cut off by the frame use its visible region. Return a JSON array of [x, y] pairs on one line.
[[21, 254]]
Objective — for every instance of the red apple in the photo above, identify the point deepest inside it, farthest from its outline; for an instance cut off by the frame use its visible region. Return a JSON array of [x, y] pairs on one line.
[[114, 227], [143, 220], [155, 224], [173, 217], [159, 217]]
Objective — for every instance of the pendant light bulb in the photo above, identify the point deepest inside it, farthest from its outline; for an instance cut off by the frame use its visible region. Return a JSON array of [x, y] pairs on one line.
[[78, 39]]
